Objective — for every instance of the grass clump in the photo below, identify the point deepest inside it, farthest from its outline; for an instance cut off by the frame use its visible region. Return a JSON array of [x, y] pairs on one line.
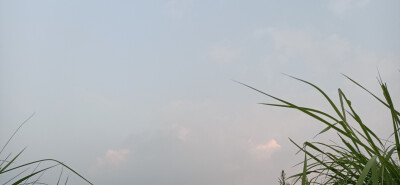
[[361, 157], [19, 175]]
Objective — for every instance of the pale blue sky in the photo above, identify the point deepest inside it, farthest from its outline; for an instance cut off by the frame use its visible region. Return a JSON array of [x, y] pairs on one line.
[[140, 92]]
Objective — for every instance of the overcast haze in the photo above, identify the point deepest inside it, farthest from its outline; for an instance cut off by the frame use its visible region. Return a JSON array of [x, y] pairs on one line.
[[142, 92]]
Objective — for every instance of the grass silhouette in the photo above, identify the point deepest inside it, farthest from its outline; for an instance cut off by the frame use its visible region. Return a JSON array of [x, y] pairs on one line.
[[361, 157], [6, 166]]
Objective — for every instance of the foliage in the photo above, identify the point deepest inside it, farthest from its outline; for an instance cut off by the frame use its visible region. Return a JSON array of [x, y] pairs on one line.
[[283, 179], [361, 158], [6, 166]]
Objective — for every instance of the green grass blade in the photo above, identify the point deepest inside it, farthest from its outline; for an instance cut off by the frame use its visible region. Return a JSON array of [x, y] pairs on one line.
[[361, 158], [395, 117], [16, 176], [5, 160], [59, 178], [376, 97], [323, 93], [66, 180], [76, 173], [305, 108], [15, 132], [365, 171], [304, 176], [3, 170], [27, 177]]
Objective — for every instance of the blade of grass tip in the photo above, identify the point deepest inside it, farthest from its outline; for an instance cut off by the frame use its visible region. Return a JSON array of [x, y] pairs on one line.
[[5, 160], [372, 94], [273, 97], [17, 131], [374, 171], [16, 176], [340, 92], [59, 178], [364, 128], [349, 135], [302, 110], [342, 97], [308, 109], [324, 130], [365, 89], [365, 171], [389, 154], [304, 176], [395, 118], [349, 128], [3, 170], [390, 103], [305, 108], [321, 91]]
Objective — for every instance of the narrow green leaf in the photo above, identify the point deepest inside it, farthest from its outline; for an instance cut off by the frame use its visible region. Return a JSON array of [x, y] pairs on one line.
[[304, 176], [3, 170], [366, 170]]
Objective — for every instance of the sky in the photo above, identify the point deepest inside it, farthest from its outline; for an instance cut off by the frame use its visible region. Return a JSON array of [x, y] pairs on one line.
[[143, 92]]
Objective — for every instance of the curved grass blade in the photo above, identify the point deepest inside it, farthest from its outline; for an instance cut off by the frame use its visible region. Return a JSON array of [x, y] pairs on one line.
[[322, 92], [27, 177], [372, 94], [16, 176], [60, 163], [3, 170]]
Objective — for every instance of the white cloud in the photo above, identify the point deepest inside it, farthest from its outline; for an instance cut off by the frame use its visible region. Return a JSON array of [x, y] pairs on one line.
[[113, 157], [269, 146], [339, 7], [183, 133], [262, 151], [223, 54], [111, 160]]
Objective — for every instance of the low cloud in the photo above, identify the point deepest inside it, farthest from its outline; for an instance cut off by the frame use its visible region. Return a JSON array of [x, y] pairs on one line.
[[263, 151], [183, 133], [110, 161], [269, 146], [113, 157]]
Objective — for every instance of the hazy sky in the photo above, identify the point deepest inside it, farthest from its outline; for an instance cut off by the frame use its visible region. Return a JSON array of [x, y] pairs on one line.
[[141, 92]]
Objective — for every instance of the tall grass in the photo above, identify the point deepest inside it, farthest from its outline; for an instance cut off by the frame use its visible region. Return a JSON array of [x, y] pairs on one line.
[[7, 165], [361, 157]]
